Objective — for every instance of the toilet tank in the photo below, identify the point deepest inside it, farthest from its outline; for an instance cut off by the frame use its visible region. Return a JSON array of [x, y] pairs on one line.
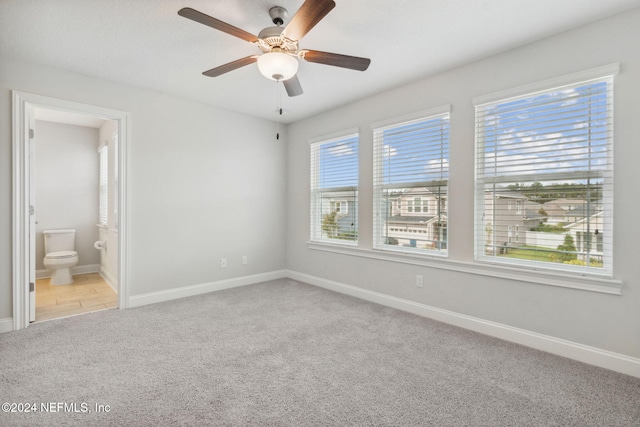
[[59, 240]]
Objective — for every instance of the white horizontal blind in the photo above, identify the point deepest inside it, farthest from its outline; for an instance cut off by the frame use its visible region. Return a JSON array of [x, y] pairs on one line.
[[116, 179], [411, 172], [544, 178], [334, 190], [103, 154]]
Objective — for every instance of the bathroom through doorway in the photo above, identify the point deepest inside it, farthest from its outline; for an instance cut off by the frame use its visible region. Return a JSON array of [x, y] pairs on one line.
[[69, 178]]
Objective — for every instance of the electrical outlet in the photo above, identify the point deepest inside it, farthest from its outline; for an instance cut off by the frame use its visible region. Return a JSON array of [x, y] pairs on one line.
[[419, 281], [245, 260], [223, 263]]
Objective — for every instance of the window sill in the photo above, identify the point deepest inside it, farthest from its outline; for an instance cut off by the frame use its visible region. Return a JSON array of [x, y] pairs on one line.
[[582, 282], [335, 243]]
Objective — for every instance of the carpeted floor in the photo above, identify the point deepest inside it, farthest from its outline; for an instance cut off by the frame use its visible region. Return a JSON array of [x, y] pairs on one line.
[[287, 353]]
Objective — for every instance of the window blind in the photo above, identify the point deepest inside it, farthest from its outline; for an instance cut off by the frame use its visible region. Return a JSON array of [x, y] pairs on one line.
[[544, 178], [411, 171], [334, 189], [116, 179], [103, 154]]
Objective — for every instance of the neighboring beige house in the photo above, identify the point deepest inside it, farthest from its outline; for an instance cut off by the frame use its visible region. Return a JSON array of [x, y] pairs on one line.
[[508, 215], [514, 215], [557, 209], [418, 219], [581, 212]]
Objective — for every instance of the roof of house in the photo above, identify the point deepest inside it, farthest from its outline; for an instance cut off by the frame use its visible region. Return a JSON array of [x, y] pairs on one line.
[[595, 217], [562, 202], [582, 211], [508, 195]]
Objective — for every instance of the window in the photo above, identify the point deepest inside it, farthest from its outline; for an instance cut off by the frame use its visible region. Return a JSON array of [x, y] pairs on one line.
[[334, 189], [339, 207], [411, 168], [115, 179], [103, 154], [548, 154]]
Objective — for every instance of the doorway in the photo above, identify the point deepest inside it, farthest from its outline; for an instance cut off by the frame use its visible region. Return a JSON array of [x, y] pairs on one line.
[[27, 247]]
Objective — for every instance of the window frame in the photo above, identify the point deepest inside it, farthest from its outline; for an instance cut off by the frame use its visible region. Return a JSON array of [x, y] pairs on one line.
[[442, 112], [606, 73]]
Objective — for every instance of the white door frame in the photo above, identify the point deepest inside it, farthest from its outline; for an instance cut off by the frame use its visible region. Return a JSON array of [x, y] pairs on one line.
[[23, 109]]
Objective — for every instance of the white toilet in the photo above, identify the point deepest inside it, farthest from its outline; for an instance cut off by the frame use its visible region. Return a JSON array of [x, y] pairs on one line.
[[59, 246]]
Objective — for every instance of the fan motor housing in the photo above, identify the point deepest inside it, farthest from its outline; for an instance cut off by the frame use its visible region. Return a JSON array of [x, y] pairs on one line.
[[272, 37]]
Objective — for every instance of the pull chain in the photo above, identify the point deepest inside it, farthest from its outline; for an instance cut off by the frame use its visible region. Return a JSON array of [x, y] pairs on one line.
[[279, 108]]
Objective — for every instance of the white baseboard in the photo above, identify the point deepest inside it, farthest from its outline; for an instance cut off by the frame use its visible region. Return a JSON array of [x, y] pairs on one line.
[[6, 325], [572, 350], [108, 277], [591, 355], [78, 269], [188, 291]]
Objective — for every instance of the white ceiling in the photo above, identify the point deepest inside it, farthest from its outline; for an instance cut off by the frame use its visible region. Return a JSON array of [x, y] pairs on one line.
[[147, 44]]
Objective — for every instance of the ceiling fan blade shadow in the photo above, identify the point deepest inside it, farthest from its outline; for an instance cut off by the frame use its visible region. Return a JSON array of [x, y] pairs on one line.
[[215, 72], [293, 86], [337, 60], [310, 13], [212, 22]]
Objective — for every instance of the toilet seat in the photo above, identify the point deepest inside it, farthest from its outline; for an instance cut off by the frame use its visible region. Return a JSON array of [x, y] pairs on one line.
[[61, 255]]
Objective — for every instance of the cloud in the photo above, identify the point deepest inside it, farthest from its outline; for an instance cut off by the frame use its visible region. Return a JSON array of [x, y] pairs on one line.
[[388, 151], [436, 164], [340, 150]]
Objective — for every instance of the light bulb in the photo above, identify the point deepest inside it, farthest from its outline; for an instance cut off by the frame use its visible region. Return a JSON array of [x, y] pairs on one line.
[[277, 66]]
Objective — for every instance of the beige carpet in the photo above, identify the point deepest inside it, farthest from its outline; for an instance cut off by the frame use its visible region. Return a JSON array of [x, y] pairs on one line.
[[287, 353]]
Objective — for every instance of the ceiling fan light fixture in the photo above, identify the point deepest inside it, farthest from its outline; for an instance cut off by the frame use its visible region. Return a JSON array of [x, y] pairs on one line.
[[277, 66]]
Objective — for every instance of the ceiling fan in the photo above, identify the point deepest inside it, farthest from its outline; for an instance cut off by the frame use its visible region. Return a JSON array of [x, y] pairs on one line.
[[279, 46]]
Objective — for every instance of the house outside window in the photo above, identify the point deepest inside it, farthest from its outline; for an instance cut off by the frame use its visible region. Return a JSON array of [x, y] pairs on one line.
[[411, 170], [334, 189], [544, 168], [340, 207]]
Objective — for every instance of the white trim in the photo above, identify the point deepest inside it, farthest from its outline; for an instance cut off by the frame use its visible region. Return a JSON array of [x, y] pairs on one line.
[[583, 353], [532, 88], [85, 269], [591, 355], [20, 221], [333, 136], [419, 115], [6, 325], [78, 269], [111, 281], [203, 288], [521, 274], [22, 105]]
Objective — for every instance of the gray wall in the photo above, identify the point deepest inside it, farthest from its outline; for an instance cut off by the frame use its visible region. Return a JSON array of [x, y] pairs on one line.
[[605, 321], [67, 186], [204, 183]]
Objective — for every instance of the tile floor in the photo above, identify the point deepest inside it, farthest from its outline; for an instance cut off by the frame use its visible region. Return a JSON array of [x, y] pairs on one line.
[[88, 292]]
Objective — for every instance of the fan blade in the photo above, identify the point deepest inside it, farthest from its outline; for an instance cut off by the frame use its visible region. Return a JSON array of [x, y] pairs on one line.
[[209, 21], [215, 72], [337, 60], [309, 14], [293, 86]]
